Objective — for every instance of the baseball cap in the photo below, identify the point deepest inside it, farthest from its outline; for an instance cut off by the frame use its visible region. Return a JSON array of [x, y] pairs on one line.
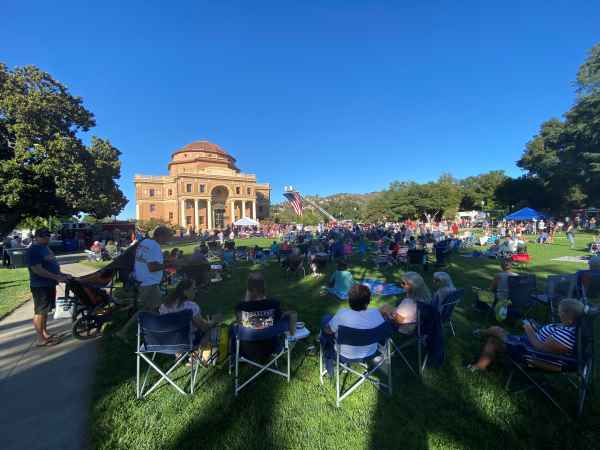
[[42, 232]]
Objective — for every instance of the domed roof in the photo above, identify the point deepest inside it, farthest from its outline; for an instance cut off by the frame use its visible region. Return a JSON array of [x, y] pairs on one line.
[[204, 146]]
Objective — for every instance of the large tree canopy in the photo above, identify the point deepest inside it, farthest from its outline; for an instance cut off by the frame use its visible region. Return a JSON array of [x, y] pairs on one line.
[[45, 169], [564, 157]]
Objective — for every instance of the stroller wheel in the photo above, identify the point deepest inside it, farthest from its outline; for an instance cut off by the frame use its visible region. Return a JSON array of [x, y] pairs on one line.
[[86, 327]]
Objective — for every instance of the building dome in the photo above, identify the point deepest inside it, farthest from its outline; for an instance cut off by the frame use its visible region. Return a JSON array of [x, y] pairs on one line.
[[202, 154]]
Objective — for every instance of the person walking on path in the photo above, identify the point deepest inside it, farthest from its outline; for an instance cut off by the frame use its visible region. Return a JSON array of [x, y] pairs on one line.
[[571, 234], [44, 275], [148, 270]]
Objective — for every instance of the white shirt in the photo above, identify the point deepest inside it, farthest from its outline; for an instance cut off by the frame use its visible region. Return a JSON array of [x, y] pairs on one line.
[[148, 251], [408, 310], [362, 320]]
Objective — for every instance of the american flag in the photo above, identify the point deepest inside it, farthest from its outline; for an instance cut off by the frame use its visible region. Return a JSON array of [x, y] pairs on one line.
[[295, 200]]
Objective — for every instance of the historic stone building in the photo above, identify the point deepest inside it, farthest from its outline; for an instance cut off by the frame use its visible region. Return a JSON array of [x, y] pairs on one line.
[[203, 191]]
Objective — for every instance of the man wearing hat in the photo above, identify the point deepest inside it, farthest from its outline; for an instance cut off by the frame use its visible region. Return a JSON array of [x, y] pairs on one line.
[[44, 275]]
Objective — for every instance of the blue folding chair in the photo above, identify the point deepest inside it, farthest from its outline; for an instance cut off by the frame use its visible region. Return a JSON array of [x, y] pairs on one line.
[[557, 288], [168, 334], [520, 293], [284, 345], [588, 286], [426, 313], [448, 305], [380, 335], [578, 367]]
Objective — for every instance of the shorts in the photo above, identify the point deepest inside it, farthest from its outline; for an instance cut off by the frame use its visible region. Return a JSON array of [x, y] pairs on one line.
[[44, 299], [149, 298]]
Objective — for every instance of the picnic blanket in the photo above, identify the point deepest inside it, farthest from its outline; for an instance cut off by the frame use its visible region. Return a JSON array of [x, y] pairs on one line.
[[579, 259], [377, 287]]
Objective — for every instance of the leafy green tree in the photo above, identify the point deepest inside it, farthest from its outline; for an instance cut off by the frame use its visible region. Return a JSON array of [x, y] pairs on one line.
[[481, 188], [45, 169]]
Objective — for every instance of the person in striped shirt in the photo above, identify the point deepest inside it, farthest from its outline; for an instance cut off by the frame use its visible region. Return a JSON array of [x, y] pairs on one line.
[[559, 338]]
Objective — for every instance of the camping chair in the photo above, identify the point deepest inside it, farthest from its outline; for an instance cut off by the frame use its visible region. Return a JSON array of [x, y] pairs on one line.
[[448, 305], [284, 346], [168, 334], [380, 335], [418, 338], [520, 291], [557, 288], [577, 368], [416, 259], [296, 267], [441, 251], [588, 286]]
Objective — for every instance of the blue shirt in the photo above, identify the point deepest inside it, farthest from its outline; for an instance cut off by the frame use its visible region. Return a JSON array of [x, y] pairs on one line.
[[41, 254]]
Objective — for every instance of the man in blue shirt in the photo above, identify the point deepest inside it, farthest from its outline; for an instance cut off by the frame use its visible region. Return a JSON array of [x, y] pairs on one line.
[[44, 275]]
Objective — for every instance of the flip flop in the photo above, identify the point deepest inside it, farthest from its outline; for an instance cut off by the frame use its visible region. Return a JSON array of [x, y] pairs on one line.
[[48, 343]]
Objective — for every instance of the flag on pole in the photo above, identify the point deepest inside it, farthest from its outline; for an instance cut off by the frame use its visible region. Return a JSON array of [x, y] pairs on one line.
[[295, 200]]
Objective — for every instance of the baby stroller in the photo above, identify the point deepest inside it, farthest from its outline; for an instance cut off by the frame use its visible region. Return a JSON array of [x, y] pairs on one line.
[[92, 296]]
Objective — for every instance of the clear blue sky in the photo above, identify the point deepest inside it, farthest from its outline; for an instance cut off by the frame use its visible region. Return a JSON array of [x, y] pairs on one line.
[[337, 96]]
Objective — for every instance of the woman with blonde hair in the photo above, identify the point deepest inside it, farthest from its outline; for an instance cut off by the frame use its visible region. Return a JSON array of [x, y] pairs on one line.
[[405, 314]]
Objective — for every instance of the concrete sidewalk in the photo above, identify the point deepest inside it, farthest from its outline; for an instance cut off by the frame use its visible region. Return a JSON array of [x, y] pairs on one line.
[[45, 392]]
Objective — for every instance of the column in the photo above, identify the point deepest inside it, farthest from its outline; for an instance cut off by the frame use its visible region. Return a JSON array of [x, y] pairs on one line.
[[254, 209], [196, 208], [244, 208], [182, 223], [232, 211], [208, 215], [137, 211]]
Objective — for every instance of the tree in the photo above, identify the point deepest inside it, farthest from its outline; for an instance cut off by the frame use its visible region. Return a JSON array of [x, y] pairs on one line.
[[45, 169], [480, 191]]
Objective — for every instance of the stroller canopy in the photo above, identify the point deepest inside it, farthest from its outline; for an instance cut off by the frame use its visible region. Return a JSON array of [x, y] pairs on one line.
[[526, 214]]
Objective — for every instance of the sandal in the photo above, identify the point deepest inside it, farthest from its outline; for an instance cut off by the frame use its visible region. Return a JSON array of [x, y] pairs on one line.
[[48, 343]]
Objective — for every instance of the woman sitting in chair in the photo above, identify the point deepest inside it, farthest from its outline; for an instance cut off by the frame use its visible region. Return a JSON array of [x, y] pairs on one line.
[[257, 311], [443, 285], [405, 314], [181, 299], [559, 338]]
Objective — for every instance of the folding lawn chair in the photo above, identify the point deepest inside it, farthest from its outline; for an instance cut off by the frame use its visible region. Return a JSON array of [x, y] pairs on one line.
[[448, 305], [296, 268], [425, 316], [577, 368], [520, 291], [283, 348], [557, 288], [380, 335], [416, 259], [588, 286], [168, 334]]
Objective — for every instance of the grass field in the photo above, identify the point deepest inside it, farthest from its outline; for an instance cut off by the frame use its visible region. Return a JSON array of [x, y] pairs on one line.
[[448, 408], [14, 289]]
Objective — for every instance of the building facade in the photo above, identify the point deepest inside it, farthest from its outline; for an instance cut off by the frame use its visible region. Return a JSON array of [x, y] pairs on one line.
[[203, 191]]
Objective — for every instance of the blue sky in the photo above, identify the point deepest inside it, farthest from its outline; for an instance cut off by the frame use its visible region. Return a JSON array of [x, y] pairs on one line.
[[337, 96]]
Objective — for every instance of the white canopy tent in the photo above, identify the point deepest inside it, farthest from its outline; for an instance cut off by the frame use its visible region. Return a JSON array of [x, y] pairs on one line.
[[246, 222]]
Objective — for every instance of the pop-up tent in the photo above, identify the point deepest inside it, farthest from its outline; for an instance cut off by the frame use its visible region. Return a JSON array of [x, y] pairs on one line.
[[526, 214], [246, 222]]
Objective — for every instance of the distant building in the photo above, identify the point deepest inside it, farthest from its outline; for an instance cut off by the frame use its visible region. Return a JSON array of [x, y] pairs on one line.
[[203, 191]]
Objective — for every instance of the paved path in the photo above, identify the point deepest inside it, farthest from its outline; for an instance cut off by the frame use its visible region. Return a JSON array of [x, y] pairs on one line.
[[44, 392]]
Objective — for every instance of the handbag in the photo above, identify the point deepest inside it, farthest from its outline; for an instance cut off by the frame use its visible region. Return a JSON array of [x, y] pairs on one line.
[[64, 308]]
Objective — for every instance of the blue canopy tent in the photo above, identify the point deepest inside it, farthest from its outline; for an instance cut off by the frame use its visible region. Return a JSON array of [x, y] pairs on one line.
[[526, 214]]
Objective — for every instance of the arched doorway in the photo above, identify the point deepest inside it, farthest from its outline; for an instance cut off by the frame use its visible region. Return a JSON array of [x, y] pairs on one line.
[[218, 200]]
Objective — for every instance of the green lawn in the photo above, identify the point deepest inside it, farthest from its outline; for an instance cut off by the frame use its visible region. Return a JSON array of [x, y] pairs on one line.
[[449, 408], [14, 289]]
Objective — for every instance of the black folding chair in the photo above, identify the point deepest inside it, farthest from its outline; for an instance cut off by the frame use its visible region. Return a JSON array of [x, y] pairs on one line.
[[588, 286], [360, 337], [168, 334], [520, 291], [448, 305], [557, 288], [578, 367], [417, 339], [416, 259], [284, 346]]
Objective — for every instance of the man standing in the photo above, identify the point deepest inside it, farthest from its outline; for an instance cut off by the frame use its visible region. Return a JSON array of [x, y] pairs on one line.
[[148, 271], [44, 275]]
